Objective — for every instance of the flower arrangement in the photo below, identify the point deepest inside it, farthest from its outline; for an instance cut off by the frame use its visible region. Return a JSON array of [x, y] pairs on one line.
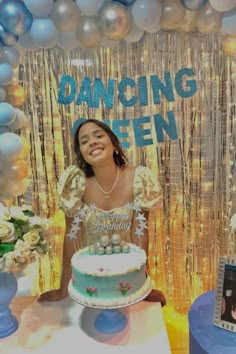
[[91, 290], [23, 237], [124, 287]]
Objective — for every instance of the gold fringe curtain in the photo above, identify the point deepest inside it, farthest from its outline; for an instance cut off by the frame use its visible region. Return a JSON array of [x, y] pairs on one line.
[[196, 171]]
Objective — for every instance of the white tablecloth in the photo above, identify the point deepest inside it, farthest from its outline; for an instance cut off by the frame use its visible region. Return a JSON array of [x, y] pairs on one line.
[[68, 327]]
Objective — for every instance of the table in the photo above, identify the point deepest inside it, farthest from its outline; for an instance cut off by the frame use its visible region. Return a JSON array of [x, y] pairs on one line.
[[55, 327], [204, 337]]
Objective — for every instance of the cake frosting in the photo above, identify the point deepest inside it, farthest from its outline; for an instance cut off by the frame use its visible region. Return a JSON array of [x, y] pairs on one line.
[[109, 280]]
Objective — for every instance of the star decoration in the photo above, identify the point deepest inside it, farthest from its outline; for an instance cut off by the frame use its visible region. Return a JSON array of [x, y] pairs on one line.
[[138, 232], [137, 208], [72, 236], [93, 207], [140, 217]]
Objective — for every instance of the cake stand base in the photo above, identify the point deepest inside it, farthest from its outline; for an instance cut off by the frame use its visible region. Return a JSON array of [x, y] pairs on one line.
[[111, 321]]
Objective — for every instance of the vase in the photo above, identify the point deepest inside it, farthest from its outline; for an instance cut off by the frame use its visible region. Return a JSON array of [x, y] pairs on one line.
[[8, 289]]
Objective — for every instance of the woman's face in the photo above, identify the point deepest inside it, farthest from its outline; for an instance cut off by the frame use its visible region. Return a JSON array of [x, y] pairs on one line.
[[95, 144]]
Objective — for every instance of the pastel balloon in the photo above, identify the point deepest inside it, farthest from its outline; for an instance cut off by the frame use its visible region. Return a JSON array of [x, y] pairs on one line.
[[193, 5], [67, 40], [4, 129], [2, 94], [12, 56], [66, 15], [15, 17], [222, 5], [108, 43], [229, 45], [15, 94], [18, 188], [229, 22], [6, 74], [89, 34], [189, 22], [26, 149], [90, 7], [27, 42], [44, 33], [39, 8], [172, 14], [115, 20], [146, 13], [209, 20], [7, 114], [19, 121], [6, 38], [154, 28], [16, 170], [10, 146], [135, 34]]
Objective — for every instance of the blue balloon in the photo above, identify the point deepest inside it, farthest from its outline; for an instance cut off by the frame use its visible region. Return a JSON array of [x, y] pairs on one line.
[[6, 38], [7, 114], [193, 5], [126, 2], [15, 17]]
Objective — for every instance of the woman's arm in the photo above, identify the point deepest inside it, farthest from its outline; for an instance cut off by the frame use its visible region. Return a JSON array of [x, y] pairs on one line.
[[69, 248]]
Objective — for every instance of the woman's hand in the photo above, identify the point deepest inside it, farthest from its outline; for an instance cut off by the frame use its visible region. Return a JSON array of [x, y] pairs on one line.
[[53, 295], [156, 296]]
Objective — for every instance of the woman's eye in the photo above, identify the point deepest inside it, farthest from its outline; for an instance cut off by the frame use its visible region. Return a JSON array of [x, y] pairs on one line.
[[83, 142]]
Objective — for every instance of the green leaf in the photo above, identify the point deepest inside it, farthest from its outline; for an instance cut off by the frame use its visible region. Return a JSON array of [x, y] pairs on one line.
[[6, 247]]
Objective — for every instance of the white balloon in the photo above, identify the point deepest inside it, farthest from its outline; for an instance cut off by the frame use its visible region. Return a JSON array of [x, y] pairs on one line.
[[154, 29], [12, 56], [67, 40], [146, 13], [11, 146], [39, 8], [223, 5], [229, 22], [20, 120], [27, 42], [135, 34], [90, 7]]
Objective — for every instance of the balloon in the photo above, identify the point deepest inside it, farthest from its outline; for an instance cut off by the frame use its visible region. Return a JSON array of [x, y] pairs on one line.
[[6, 38], [39, 8], [6, 74], [16, 170], [89, 34], [172, 14], [44, 33], [27, 42], [18, 188], [26, 149], [189, 22], [229, 44], [10, 146], [15, 94], [154, 29], [222, 5], [4, 130], [193, 5], [146, 13], [229, 22], [89, 7], [12, 56], [209, 20], [66, 15], [67, 40], [115, 20], [7, 114], [2, 94], [135, 34], [108, 43], [126, 2], [15, 17], [20, 120]]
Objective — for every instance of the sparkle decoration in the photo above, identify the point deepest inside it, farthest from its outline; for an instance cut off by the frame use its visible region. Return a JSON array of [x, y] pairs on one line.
[[196, 171]]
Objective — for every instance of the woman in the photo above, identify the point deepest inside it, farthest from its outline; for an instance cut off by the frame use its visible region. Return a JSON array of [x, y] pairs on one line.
[[103, 195]]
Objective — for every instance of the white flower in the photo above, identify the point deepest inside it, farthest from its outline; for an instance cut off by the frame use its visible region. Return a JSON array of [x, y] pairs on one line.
[[9, 261], [4, 213], [17, 214], [31, 238], [6, 232], [43, 224], [25, 207]]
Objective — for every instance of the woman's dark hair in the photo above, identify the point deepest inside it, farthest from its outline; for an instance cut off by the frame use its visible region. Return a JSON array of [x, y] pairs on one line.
[[118, 155]]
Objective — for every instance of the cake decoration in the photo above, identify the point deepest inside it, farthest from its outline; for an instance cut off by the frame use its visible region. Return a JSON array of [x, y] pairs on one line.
[[90, 290], [107, 245], [124, 287]]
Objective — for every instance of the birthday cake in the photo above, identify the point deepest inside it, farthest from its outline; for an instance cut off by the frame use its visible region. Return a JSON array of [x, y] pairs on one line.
[[110, 274]]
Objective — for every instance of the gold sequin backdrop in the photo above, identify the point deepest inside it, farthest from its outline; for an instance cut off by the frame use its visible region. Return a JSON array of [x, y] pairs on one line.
[[196, 171]]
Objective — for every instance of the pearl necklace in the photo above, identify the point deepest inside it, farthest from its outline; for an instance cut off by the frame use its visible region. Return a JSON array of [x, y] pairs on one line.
[[108, 194]]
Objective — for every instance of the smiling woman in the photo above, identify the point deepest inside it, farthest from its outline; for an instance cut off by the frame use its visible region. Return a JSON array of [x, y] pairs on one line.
[[103, 195]]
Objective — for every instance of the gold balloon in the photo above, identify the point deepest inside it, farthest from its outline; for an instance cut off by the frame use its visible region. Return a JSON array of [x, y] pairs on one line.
[[26, 149], [15, 94], [17, 170], [229, 44]]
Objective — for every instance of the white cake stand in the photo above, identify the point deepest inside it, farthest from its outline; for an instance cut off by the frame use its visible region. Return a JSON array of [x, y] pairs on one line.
[[111, 319]]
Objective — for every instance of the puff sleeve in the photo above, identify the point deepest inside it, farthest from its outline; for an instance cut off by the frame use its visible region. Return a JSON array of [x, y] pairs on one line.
[[147, 192], [71, 187]]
